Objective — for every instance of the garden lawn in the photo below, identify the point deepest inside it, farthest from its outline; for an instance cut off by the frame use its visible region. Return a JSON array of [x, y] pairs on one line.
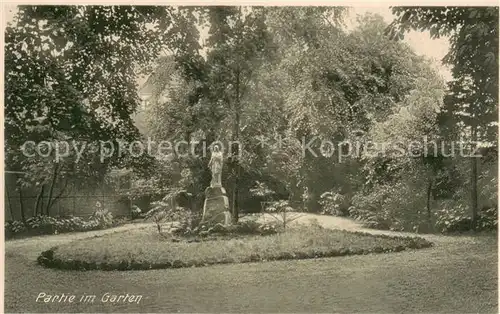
[[145, 249], [457, 275]]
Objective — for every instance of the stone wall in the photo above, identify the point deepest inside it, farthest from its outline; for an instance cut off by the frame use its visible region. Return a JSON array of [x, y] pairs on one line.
[[74, 201]]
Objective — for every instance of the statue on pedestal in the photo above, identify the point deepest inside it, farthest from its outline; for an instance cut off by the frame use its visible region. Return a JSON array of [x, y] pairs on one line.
[[215, 164], [216, 206]]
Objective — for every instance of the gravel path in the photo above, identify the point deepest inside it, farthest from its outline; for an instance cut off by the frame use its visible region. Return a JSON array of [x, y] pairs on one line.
[[458, 274]]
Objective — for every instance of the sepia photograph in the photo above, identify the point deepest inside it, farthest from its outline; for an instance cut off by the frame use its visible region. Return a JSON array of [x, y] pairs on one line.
[[235, 158]]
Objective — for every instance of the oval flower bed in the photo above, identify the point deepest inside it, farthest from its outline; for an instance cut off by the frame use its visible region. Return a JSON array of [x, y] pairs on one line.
[[143, 249]]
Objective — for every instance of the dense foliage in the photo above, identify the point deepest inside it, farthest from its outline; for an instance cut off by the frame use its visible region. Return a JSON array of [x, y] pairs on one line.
[[42, 224], [282, 81], [470, 107]]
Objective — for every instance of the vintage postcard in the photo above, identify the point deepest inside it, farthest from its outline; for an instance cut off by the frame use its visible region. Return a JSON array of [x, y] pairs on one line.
[[250, 158]]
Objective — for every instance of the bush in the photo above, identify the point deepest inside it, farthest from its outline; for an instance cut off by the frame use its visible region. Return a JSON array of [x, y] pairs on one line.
[[283, 212], [488, 219], [455, 217], [50, 225], [136, 212], [270, 228], [14, 227], [186, 220], [43, 224], [242, 228], [331, 203], [102, 217], [370, 209], [452, 217], [166, 209], [247, 227], [398, 207], [279, 207]]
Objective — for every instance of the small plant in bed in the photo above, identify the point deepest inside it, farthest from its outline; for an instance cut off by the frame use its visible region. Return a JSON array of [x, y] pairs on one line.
[[178, 223], [43, 224], [243, 229], [142, 249]]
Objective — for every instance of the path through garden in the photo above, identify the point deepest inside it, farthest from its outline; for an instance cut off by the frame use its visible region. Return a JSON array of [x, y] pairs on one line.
[[458, 274]]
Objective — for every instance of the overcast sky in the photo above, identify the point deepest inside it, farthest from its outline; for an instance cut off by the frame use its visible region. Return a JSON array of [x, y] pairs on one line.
[[419, 41]]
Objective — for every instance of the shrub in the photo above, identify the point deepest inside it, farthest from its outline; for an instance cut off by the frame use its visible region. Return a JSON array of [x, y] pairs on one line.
[[14, 227], [187, 221], [279, 207], [454, 217], [270, 228], [251, 227], [331, 203], [43, 224], [282, 212], [488, 219], [166, 209], [370, 209], [48, 225], [102, 217], [163, 212], [399, 207], [246, 227], [136, 212]]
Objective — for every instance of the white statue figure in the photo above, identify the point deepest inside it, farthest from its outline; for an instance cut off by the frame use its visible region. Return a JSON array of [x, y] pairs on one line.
[[215, 165]]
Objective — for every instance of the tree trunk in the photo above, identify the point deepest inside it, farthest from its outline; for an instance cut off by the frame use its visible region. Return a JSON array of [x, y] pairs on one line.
[[473, 178], [38, 201], [51, 190], [55, 199], [23, 217], [10, 204], [235, 162], [474, 192], [429, 196]]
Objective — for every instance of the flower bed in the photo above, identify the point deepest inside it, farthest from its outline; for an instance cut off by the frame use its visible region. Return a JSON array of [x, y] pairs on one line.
[[144, 249], [43, 224]]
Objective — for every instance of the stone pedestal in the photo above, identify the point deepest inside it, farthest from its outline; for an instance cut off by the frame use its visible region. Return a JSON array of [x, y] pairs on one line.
[[216, 206]]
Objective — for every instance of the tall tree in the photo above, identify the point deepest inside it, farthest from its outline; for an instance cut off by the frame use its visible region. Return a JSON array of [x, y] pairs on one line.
[[472, 104], [71, 76], [237, 42], [335, 84]]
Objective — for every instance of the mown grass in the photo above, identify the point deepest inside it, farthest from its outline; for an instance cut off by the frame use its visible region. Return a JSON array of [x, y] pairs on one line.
[[143, 249], [458, 274]]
